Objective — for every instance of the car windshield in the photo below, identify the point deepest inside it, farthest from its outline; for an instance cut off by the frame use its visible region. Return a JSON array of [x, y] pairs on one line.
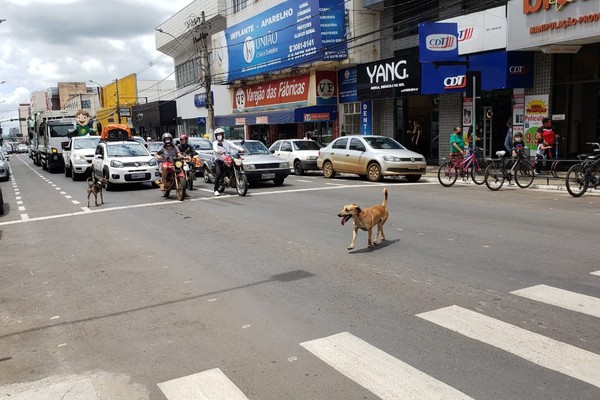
[[61, 130], [305, 145], [126, 150], [201, 144], [86, 143], [382, 143], [155, 146], [254, 147]]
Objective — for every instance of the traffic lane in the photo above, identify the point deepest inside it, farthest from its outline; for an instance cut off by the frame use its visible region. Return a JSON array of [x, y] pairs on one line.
[[271, 286]]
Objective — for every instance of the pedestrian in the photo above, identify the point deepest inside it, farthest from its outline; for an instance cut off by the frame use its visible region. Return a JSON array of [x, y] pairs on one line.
[[508, 139], [457, 145], [417, 131], [518, 146]]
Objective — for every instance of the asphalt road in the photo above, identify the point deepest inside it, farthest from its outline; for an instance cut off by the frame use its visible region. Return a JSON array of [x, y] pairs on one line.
[[258, 297]]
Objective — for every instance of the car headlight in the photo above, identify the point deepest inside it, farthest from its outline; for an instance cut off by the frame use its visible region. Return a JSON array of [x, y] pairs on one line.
[[284, 165], [79, 157], [249, 166], [152, 162], [392, 158], [116, 164]]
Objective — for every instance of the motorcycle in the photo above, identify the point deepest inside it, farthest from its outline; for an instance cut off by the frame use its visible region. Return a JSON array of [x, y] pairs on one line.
[[176, 177], [192, 166], [234, 175]]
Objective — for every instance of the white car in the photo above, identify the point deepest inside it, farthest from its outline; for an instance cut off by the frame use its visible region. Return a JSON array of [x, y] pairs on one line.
[[302, 154], [79, 154], [124, 162]]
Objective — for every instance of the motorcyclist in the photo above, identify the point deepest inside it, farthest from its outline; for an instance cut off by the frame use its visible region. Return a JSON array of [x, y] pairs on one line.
[[221, 147], [167, 153], [187, 150]]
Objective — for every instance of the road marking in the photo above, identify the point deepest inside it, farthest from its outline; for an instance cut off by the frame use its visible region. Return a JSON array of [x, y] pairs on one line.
[[538, 349], [24, 217], [305, 181], [384, 375], [562, 298], [212, 384], [595, 273], [21, 208]]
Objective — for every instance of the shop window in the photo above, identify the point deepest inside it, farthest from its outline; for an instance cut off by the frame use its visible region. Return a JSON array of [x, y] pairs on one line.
[[239, 5], [351, 120]]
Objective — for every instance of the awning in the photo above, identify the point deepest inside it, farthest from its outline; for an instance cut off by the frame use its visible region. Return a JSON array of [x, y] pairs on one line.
[[278, 117]]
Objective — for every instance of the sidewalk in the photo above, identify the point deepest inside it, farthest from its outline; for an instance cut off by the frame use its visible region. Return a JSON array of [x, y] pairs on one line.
[[543, 181]]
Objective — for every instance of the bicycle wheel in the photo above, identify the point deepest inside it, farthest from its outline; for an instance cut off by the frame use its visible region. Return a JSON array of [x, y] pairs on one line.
[[524, 175], [478, 173], [447, 174], [576, 181], [494, 176]]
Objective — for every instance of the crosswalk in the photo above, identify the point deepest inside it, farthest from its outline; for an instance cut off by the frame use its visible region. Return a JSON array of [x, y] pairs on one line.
[[388, 377]]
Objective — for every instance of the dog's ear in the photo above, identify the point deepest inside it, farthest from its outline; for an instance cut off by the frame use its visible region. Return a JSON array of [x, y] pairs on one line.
[[357, 209]]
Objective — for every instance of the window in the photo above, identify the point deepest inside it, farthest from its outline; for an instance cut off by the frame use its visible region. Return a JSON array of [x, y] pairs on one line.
[[86, 104], [407, 17], [188, 73], [340, 144], [286, 146], [239, 5], [356, 144], [351, 122]]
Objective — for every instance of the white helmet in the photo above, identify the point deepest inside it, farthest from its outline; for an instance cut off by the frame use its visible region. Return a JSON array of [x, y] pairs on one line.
[[220, 131]]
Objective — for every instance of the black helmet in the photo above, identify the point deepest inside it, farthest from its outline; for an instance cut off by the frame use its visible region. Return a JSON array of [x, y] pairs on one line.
[[167, 138]]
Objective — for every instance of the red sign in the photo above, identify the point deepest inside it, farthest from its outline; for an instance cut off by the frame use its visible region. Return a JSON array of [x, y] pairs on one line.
[[529, 8], [316, 117], [280, 91]]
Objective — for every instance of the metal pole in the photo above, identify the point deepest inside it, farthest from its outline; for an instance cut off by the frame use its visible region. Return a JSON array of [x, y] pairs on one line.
[[474, 114], [210, 110], [118, 104]]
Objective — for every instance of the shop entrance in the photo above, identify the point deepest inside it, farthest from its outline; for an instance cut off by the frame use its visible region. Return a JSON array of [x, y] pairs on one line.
[[417, 125]]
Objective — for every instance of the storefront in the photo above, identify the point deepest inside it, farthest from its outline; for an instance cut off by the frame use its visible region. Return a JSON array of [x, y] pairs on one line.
[[568, 34], [291, 107]]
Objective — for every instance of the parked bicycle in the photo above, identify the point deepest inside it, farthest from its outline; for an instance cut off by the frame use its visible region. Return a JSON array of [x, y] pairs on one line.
[[470, 165], [500, 170], [586, 174]]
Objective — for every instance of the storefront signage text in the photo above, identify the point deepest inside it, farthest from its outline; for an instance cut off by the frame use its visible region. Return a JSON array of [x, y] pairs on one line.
[[537, 5], [288, 90], [565, 23]]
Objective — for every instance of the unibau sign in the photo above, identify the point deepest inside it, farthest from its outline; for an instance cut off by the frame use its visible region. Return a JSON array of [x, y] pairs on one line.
[[388, 78], [536, 24]]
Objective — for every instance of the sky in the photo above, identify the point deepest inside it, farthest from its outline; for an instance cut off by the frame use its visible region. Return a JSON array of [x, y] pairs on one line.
[[43, 42]]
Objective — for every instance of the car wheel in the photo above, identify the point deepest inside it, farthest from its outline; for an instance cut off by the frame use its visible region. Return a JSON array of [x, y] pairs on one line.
[[413, 178], [328, 171], [278, 181], [109, 186], [298, 168], [374, 172], [67, 171]]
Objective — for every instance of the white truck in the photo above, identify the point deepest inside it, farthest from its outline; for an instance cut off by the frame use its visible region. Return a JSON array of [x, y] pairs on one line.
[[78, 155], [49, 134]]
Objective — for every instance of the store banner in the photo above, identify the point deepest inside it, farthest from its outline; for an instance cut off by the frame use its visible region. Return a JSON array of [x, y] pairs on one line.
[[288, 34], [481, 31], [285, 91], [200, 99], [366, 118], [333, 29], [536, 108], [499, 70], [347, 83], [326, 87], [388, 78], [438, 41]]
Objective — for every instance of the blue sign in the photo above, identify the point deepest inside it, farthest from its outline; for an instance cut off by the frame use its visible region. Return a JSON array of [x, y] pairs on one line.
[[200, 120], [499, 70], [333, 29], [366, 118], [200, 99], [285, 35], [438, 41], [347, 85]]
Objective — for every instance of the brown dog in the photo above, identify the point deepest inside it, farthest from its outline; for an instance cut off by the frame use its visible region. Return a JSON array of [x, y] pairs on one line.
[[366, 219], [95, 187]]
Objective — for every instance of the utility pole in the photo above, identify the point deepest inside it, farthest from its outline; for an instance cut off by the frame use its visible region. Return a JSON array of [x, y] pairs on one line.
[[202, 37], [118, 104]]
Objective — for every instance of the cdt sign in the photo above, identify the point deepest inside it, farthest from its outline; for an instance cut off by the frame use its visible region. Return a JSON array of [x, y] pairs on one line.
[[388, 78], [438, 41]]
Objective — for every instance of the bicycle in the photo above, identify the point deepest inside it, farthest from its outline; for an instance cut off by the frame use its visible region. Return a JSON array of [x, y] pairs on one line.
[[586, 174], [498, 171], [449, 171]]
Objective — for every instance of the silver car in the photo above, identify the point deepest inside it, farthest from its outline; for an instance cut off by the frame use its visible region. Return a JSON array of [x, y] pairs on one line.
[[4, 167], [260, 165], [371, 157]]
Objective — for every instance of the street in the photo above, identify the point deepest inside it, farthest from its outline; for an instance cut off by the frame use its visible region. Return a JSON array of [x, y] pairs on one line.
[[474, 295]]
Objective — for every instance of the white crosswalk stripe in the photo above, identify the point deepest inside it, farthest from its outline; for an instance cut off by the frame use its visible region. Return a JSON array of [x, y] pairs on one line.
[[595, 273], [562, 298], [541, 350], [212, 384], [377, 371]]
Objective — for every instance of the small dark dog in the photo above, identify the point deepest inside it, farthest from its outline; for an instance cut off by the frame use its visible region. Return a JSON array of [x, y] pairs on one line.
[[95, 187]]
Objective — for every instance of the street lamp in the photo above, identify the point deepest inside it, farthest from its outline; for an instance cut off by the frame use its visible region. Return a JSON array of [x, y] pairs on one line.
[[178, 41], [100, 92]]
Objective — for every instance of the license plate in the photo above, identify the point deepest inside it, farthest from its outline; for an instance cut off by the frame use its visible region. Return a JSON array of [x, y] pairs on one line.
[[414, 166], [186, 168], [268, 176], [138, 176]]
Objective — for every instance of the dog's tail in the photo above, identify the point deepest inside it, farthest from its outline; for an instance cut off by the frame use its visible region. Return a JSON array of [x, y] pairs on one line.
[[384, 197]]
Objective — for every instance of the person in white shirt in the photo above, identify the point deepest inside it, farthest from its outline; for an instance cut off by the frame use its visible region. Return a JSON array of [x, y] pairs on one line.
[[221, 148]]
